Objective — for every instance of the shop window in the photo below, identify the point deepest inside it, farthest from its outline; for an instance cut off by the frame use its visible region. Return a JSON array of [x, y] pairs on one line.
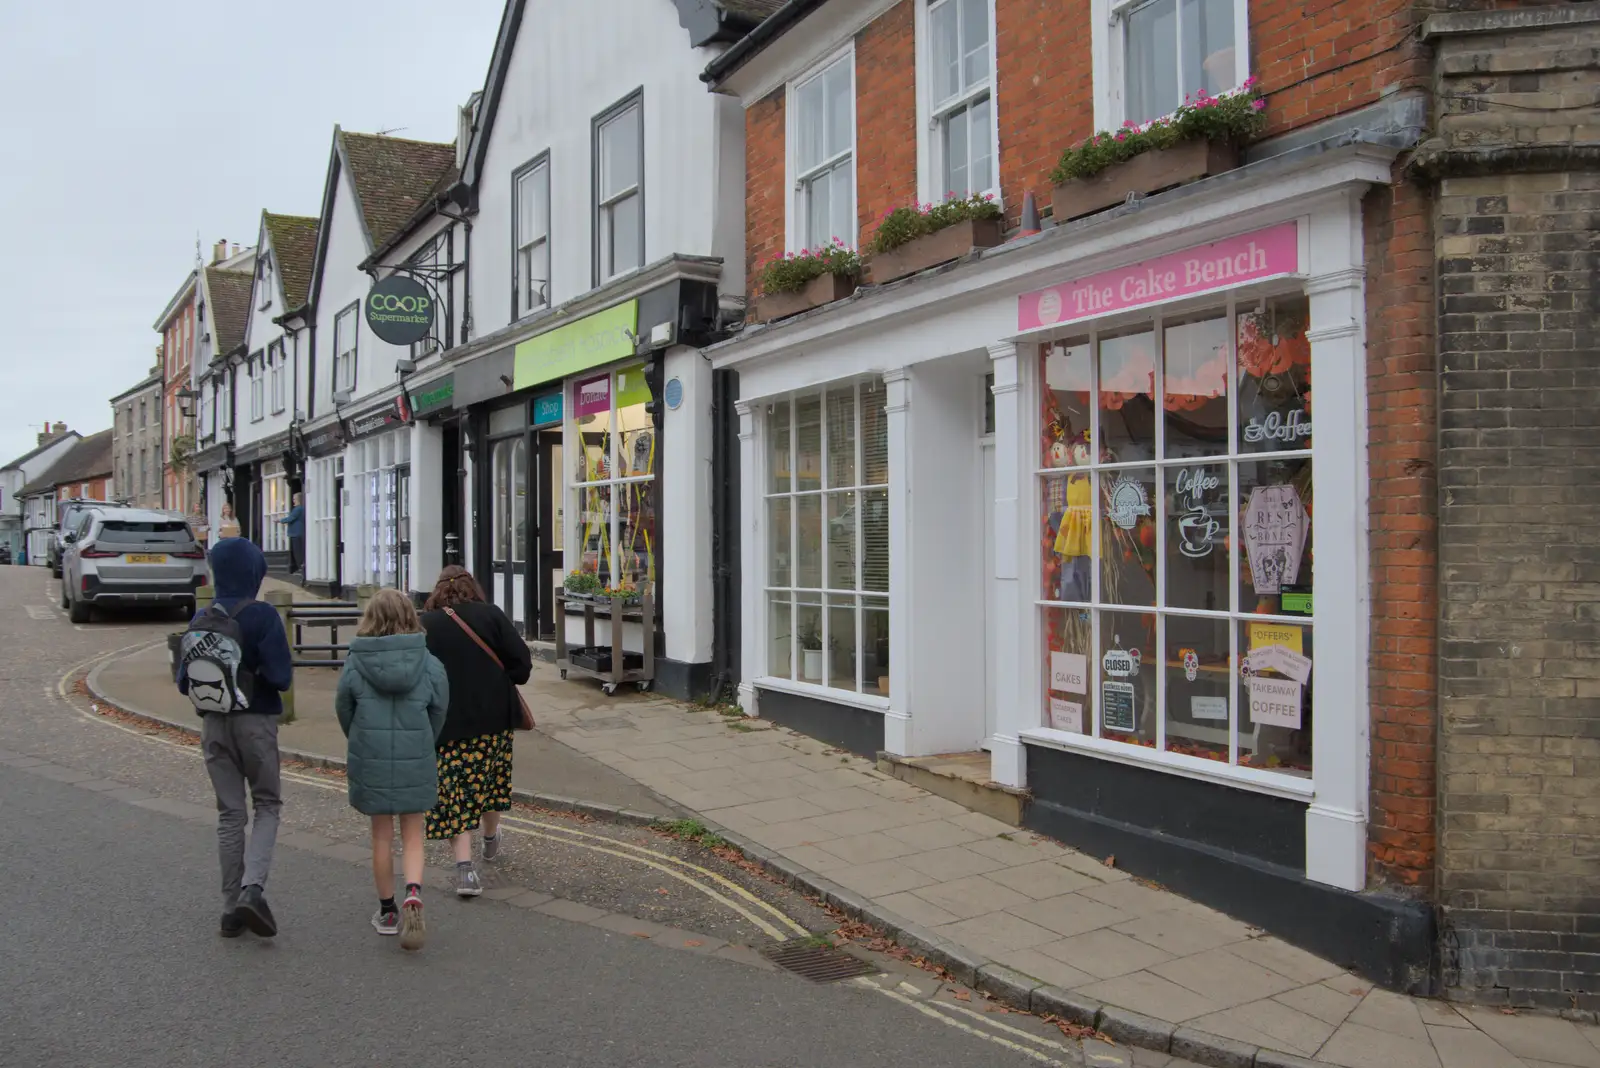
[[822, 144], [828, 538], [1176, 497], [613, 479], [1161, 52], [962, 95], [274, 507], [619, 190], [531, 280]]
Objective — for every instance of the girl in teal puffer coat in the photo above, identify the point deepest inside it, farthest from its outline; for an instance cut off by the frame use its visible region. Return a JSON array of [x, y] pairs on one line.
[[392, 699]]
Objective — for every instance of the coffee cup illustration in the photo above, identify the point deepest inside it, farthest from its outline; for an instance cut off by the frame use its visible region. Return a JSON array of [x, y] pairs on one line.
[[1196, 533]]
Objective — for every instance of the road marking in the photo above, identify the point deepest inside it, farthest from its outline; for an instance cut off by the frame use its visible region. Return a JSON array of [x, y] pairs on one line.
[[41, 611], [950, 1021], [711, 892]]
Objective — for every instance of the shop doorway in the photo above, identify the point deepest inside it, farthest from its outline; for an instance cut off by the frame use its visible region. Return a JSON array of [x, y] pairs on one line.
[[548, 548], [338, 533], [509, 534]]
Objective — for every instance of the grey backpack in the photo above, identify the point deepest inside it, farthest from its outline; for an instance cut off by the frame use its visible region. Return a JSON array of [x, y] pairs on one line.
[[211, 659]]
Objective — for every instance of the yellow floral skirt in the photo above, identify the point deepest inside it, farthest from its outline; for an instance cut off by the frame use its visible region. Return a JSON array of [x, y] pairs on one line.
[[474, 778]]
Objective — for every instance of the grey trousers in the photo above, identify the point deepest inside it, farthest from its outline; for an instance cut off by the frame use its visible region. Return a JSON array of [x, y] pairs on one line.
[[242, 748]]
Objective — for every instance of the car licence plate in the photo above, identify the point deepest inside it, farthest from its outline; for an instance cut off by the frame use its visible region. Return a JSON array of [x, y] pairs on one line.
[[146, 558]]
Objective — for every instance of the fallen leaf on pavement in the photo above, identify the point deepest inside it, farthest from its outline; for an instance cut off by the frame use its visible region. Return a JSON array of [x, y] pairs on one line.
[[1111, 861], [693, 942], [962, 995]]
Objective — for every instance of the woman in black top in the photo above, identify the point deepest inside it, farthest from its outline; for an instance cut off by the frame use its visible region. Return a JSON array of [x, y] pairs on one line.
[[475, 745]]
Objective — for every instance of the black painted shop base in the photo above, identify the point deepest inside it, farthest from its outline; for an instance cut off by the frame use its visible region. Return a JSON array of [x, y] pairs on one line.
[[1235, 851]]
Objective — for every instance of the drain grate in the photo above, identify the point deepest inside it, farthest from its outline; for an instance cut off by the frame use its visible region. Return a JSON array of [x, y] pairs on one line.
[[818, 963]]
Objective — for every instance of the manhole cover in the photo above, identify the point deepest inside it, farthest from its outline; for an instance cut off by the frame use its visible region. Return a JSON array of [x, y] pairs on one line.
[[820, 964]]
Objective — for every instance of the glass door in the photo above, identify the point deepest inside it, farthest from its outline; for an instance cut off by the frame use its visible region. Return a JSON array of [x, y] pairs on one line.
[[509, 519], [402, 527], [548, 552]]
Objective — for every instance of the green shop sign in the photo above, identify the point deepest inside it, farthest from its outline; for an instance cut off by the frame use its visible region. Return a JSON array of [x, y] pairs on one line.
[[591, 341], [437, 394]]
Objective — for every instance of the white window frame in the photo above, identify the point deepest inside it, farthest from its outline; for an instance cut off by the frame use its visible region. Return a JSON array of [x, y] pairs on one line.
[[930, 146], [258, 388], [265, 277], [794, 197], [346, 326], [274, 506], [526, 296], [277, 365], [225, 399], [859, 693], [1107, 39], [603, 203]]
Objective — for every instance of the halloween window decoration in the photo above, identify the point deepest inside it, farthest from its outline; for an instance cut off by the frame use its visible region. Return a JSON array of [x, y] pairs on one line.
[[1176, 503]]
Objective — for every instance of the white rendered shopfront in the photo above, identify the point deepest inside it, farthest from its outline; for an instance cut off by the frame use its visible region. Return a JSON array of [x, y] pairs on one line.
[[1070, 557], [377, 511]]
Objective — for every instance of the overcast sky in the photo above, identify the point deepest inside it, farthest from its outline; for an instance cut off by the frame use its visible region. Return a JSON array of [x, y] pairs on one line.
[[131, 129]]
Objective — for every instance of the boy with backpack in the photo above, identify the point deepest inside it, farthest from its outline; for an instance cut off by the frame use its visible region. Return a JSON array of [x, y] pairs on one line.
[[234, 665]]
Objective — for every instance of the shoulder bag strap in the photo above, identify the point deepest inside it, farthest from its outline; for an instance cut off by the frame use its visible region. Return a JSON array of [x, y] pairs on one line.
[[451, 612]]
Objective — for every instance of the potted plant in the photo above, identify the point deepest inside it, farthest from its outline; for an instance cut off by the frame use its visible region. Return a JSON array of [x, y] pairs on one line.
[[913, 239], [582, 585], [811, 649], [627, 592], [797, 282], [1201, 138]]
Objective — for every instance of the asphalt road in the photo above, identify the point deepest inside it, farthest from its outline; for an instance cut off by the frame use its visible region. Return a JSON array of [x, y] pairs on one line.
[[109, 953]]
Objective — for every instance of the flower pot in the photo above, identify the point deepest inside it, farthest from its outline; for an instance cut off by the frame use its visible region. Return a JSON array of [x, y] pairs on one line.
[[930, 250], [1148, 173], [823, 289], [811, 665]]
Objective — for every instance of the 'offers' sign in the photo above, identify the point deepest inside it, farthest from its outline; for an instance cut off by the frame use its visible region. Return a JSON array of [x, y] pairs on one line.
[[399, 310]]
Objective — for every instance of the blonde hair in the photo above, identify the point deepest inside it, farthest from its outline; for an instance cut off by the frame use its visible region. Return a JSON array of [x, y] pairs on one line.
[[389, 612]]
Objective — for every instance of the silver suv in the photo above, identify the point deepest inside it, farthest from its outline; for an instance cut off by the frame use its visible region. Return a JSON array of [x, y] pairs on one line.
[[127, 558]]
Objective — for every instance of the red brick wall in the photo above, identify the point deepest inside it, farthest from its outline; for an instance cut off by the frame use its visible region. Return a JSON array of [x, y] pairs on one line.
[[1403, 520], [764, 185], [886, 116], [1044, 92]]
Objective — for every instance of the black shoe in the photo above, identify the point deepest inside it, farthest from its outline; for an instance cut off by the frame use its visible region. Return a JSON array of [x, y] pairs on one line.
[[232, 926], [254, 913]]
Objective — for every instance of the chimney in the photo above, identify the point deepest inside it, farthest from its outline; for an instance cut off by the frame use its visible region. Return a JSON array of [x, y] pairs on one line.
[[50, 433], [219, 252], [235, 248]]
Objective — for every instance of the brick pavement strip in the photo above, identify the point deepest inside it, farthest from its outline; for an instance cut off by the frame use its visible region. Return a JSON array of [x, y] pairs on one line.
[[836, 819]]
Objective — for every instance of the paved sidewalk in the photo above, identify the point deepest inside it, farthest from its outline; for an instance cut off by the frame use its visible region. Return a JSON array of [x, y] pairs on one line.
[[1000, 894]]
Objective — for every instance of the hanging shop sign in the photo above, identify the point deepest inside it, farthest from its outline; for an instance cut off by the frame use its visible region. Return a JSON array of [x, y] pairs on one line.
[[435, 396], [591, 341], [326, 441], [1222, 264], [399, 310]]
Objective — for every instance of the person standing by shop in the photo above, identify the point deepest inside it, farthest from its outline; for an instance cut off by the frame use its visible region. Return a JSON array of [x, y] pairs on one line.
[[295, 520], [486, 660]]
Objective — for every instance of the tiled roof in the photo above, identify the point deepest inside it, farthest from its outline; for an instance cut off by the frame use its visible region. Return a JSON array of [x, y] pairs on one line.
[[151, 379], [230, 305], [294, 241], [394, 177], [31, 453], [89, 458]]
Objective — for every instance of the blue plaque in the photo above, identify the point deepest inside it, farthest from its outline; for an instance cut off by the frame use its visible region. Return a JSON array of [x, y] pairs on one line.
[[674, 394]]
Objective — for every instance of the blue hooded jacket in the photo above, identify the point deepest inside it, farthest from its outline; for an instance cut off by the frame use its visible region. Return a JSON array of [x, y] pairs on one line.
[[237, 568]]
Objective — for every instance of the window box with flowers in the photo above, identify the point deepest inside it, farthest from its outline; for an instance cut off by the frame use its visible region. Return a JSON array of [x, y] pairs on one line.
[[925, 235], [1202, 138], [797, 282]]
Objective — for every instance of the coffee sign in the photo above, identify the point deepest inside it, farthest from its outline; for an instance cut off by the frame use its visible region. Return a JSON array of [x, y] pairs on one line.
[[399, 310]]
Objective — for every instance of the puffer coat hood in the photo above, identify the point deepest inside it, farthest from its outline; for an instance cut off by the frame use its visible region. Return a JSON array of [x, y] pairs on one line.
[[392, 699], [390, 664]]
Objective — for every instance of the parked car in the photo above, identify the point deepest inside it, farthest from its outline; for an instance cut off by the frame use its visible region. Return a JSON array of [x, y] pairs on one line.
[[5, 554], [130, 557], [68, 513]]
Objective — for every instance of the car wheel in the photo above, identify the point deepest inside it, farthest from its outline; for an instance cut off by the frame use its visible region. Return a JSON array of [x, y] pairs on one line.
[[64, 603], [79, 612]]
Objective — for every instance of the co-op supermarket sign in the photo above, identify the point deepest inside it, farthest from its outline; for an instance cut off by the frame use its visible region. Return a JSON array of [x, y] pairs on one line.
[[399, 310], [1222, 264]]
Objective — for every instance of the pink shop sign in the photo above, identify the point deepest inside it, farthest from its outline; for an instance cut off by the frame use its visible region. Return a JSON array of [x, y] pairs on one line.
[[1202, 269]]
